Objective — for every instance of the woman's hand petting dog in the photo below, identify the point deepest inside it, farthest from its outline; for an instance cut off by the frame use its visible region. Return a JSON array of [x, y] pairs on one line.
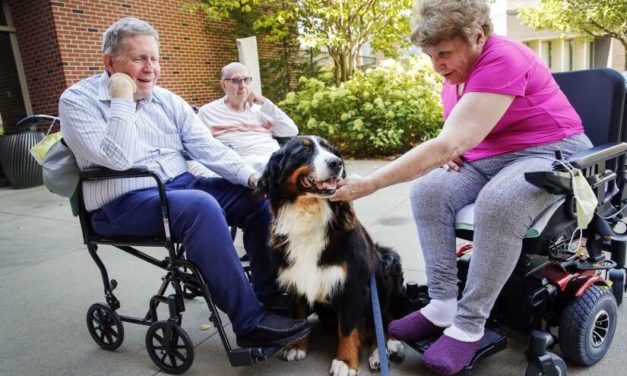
[[352, 188]]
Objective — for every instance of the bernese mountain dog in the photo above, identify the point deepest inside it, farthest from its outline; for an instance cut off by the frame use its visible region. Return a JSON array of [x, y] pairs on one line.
[[325, 257]]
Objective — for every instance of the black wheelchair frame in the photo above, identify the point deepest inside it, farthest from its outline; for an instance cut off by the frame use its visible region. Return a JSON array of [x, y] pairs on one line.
[[554, 287], [167, 343]]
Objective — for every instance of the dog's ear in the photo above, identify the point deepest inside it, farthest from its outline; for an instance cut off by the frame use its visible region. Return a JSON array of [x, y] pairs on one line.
[[271, 173]]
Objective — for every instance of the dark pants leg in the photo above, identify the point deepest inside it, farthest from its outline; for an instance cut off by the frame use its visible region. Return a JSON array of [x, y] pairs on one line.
[[200, 211]]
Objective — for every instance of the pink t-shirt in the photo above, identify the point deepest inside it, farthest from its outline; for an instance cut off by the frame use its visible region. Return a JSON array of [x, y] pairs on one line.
[[540, 113]]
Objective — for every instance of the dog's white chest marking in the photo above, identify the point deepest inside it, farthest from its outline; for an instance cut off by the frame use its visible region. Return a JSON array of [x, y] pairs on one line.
[[305, 226]]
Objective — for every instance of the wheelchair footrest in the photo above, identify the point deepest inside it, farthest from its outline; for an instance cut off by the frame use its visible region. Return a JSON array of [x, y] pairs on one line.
[[250, 356], [492, 342]]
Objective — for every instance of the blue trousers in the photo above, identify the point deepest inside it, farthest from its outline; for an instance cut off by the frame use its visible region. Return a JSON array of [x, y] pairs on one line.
[[201, 211]]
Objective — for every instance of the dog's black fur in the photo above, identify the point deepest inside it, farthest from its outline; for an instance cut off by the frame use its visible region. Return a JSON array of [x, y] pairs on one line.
[[297, 180]]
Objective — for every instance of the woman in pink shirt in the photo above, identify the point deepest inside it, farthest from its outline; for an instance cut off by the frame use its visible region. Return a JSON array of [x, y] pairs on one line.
[[505, 115]]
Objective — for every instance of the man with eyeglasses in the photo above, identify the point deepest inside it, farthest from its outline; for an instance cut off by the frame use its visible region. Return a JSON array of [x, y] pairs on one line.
[[244, 121]]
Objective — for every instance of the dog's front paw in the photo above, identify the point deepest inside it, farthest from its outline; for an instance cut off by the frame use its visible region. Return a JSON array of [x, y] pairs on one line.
[[396, 350], [339, 368], [374, 361], [292, 354]]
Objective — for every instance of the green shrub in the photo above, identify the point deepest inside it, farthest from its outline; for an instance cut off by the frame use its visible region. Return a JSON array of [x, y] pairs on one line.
[[384, 111]]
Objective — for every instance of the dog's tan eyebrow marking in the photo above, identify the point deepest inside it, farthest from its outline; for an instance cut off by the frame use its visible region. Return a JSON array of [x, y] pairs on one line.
[[306, 142]]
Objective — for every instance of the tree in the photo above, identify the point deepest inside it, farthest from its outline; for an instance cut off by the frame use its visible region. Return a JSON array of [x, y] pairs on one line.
[[596, 18], [340, 27]]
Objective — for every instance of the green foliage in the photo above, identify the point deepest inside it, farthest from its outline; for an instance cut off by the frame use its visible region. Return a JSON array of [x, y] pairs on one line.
[[339, 27], [287, 61], [597, 18], [384, 111]]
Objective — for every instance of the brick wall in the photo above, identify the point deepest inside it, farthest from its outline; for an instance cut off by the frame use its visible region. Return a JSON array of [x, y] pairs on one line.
[[39, 49], [60, 44]]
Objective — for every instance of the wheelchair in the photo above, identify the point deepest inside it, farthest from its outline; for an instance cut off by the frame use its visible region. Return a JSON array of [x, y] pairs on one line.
[[167, 343], [559, 294]]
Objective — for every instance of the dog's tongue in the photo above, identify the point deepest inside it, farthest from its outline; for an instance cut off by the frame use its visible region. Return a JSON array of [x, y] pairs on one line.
[[330, 184]]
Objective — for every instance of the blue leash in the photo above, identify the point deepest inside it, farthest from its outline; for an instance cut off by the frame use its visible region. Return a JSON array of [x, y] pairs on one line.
[[378, 325]]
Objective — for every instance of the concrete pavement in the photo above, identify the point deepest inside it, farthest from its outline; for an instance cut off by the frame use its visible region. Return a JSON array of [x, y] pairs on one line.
[[48, 280]]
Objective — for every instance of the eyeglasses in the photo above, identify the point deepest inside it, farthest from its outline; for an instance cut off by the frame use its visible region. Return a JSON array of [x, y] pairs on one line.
[[238, 81]]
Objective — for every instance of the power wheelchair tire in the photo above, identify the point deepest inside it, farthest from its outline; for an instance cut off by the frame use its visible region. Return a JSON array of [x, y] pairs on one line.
[[535, 369], [104, 326], [617, 276], [587, 326], [170, 347]]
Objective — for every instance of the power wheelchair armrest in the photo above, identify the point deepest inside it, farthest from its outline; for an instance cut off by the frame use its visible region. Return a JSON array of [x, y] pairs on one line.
[[592, 162], [589, 157], [597, 165]]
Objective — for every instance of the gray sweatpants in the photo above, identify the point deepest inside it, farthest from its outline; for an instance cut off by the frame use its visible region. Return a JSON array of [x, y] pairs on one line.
[[505, 207]]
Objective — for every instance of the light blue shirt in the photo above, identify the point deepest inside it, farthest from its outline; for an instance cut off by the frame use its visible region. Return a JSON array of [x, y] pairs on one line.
[[155, 133]]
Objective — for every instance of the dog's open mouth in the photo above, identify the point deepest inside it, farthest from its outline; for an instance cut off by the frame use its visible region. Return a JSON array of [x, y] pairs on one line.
[[322, 187]]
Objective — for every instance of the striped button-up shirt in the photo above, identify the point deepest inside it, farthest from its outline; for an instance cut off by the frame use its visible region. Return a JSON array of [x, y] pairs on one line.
[[155, 133]]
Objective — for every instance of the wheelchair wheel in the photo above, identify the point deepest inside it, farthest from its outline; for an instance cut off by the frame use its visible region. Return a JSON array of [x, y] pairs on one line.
[[104, 326], [617, 276], [535, 369], [587, 326], [169, 347]]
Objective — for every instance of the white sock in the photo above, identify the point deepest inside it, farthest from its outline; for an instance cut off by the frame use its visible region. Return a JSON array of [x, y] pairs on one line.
[[440, 312], [460, 335]]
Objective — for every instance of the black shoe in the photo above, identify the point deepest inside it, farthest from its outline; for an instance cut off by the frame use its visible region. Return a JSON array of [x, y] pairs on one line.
[[275, 331], [278, 303]]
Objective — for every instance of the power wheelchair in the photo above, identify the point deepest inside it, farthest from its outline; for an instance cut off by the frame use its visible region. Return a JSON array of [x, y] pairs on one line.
[[167, 343], [558, 293]]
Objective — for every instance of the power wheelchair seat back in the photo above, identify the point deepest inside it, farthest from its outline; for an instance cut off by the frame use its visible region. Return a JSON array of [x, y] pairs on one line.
[[167, 343], [553, 285]]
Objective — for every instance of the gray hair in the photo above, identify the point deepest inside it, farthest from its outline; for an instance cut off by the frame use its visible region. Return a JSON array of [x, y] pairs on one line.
[[112, 38], [226, 70], [439, 20]]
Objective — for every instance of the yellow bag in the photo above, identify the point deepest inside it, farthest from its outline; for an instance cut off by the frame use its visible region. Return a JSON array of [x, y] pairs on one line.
[[40, 150]]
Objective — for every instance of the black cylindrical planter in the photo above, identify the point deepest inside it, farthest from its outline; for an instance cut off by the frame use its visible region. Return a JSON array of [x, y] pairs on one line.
[[19, 166]]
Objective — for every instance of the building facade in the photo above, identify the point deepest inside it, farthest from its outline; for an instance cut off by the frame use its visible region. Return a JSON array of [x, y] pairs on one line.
[[46, 46], [560, 52]]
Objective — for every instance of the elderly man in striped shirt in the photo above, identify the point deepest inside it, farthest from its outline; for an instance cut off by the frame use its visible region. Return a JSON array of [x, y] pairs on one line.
[[121, 119]]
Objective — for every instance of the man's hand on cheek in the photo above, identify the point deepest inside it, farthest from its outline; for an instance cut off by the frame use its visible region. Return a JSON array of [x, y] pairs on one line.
[[122, 86]]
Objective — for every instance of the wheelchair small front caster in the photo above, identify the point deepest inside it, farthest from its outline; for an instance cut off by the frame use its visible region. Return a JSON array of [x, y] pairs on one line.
[[170, 347], [541, 361], [548, 364], [104, 326]]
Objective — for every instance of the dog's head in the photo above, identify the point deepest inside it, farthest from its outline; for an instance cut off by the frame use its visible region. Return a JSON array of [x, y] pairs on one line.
[[306, 165]]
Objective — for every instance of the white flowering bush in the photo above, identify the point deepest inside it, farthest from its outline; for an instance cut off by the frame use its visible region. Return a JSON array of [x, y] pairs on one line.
[[384, 111]]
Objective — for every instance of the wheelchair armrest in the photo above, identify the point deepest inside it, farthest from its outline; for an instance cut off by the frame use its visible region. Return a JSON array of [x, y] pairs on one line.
[[101, 173], [589, 157], [558, 181], [555, 182]]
